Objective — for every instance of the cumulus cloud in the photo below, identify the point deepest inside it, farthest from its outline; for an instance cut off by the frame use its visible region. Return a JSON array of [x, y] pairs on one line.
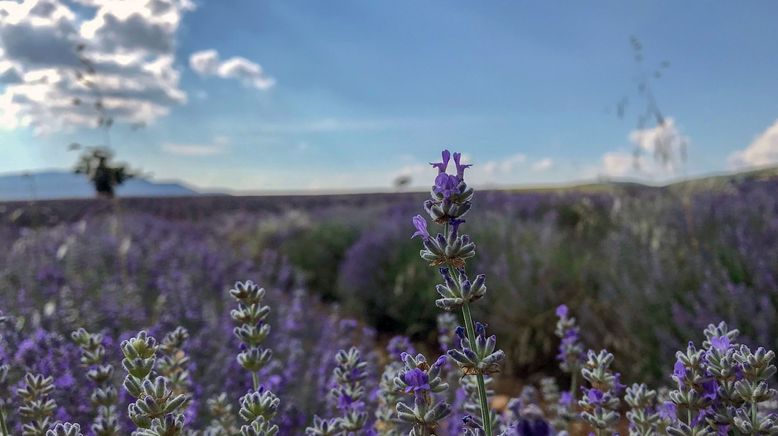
[[250, 74], [658, 152], [762, 151], [129, 44], [217, 146], [543, 164]]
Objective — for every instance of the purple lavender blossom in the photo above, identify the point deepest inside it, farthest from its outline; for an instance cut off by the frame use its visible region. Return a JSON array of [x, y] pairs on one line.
[[460, 167], [720, 343], [443, 165], [421, 227], [417, 381]]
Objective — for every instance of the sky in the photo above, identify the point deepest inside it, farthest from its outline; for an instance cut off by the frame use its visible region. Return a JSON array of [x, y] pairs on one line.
[[254, 95]]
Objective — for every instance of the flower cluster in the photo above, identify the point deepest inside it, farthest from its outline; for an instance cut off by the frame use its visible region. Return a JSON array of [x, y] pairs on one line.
[[600, 402], [720, 387], [571, 351], [104, 396], [643, 418], [174, 362], [388, 395], [252, 329], [37, 407], [157, 411], [348, 391], [480, 357], [348, 395], [421, 380], [257, 407]]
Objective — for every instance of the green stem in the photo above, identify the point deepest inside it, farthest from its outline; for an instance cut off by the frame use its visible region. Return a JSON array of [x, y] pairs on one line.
[[754, 414], [255, 380], [3, 425], [573, 395], [485, 416]]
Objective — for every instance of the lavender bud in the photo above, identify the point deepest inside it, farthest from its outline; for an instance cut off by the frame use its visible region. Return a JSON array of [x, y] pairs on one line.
[[65, 429], [259, 427], [479, 358]]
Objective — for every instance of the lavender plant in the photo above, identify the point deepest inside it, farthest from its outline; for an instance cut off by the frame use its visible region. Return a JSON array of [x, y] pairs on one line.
[[223, 422], [600, 402], [104, 396], [37, 407], [252, 329], [260, 406], [721, 385], [642, 416], [549, 389], [157, 410], [450, 201], [174, 361], [387, 423], [421, 380], [571, 352], [348, 390]]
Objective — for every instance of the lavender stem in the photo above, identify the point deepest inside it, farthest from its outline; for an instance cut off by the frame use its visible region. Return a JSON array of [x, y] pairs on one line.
[[485, 416], [3, 425]]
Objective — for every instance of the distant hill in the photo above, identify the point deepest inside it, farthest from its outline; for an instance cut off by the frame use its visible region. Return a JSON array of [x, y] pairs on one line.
[[61, 184]]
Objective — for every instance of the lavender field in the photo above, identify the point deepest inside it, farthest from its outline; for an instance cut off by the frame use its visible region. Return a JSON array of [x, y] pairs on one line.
[[330, 345]]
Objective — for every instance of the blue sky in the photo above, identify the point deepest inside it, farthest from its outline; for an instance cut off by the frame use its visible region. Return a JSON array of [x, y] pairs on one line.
[[351, 94]]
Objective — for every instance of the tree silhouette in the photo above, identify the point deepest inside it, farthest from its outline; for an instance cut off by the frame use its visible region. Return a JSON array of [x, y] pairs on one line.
[[97, 164]]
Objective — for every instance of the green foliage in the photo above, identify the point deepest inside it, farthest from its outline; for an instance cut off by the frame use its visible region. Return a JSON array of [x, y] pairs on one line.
[[318, 251]]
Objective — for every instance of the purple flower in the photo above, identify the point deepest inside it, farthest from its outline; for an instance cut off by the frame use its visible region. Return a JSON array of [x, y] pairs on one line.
[[417, 380], [617, 386], [667, 410], [594, 396], [421, 227], [679, 370], [710, 389], [441, 166], [720, 343], [446, 184], [562, 311], [566, 399], [441, 361], [460, 167]]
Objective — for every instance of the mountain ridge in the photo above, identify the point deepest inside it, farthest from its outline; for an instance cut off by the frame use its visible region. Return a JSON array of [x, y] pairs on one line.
[[58, 184]]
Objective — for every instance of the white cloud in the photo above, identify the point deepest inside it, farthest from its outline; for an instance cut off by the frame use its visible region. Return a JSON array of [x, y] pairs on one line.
[[218, 146], [658, 153], [543, 164], [130, 44], [208, 63], [762, 151]]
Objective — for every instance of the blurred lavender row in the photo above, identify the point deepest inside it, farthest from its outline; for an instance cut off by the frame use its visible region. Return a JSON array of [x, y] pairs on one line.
[[645, 269]]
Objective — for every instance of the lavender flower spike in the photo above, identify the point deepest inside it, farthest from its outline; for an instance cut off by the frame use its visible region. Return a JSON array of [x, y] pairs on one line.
[[450, 200]]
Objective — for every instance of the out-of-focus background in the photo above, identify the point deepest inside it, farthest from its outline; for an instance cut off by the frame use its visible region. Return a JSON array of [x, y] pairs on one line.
[[152, 152]]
